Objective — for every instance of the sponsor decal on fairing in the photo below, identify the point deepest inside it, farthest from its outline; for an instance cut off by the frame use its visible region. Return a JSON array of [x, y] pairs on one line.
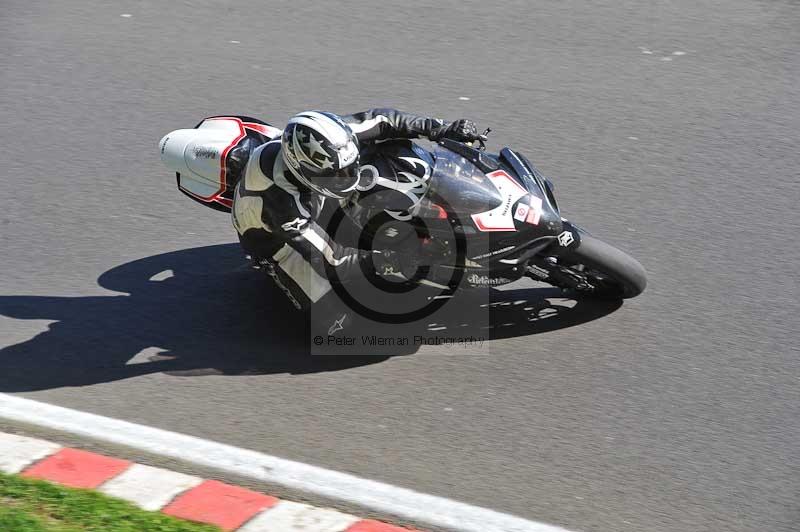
[[495, 252], [522, 212], [203, 152], [500, 218], [541, 273], [485, 280], [565, 239], [529, 212]]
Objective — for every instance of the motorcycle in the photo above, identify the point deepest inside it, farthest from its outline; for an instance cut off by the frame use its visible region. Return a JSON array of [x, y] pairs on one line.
[[476, 219]]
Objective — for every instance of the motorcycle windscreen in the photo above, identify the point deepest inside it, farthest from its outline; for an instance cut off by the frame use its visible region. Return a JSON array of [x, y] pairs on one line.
[[459, 186]]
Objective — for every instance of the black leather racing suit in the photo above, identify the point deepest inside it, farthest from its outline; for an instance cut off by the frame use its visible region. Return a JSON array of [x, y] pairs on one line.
[[278, 219]]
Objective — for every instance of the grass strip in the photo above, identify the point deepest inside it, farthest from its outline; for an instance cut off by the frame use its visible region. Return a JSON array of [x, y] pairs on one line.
[[28, 505]]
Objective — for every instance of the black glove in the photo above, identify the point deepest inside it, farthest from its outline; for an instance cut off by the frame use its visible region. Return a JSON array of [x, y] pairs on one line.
[[462, 130]]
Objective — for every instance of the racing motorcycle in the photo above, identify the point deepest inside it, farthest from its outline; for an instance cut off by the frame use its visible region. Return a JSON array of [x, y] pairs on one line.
[[475, 219]]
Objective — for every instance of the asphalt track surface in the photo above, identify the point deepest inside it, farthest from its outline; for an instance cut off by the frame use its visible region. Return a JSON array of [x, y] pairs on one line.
[[669, 128]]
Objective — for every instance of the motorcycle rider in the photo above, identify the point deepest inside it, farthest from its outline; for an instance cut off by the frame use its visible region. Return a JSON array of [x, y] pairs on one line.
[[287, 183]]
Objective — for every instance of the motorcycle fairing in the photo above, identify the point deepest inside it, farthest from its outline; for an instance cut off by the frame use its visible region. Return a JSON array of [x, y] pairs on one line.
[[535, 182], [211, 157], [502, 217]]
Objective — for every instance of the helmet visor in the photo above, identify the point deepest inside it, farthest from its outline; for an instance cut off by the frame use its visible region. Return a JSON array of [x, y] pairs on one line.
[[342, 180]]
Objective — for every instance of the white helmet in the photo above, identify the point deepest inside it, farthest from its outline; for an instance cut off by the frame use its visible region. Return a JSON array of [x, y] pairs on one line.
[[321, 151]]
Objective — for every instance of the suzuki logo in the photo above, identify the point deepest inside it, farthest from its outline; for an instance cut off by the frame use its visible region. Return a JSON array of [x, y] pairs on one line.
[[391, 232]]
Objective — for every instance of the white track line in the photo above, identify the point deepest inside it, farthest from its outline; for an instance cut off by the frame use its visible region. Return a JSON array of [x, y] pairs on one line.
[[427, 510]]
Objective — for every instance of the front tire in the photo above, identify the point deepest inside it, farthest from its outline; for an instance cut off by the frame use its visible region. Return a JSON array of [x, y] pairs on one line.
[[609, 273]]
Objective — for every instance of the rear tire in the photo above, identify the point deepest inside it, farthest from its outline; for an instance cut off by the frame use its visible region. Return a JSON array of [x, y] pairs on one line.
[[613, 273]]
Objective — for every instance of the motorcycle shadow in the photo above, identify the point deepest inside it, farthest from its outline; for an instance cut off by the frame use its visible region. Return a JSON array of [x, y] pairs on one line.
[[203, 311]]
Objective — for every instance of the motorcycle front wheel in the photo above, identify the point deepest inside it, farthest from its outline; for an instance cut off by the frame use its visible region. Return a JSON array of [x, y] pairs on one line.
[[596, 269]]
